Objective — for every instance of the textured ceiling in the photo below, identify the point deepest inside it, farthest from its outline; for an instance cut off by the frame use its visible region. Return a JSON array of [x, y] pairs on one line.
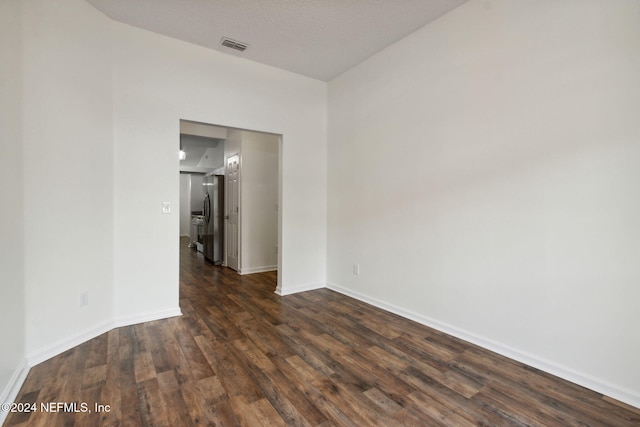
[[316, 38]]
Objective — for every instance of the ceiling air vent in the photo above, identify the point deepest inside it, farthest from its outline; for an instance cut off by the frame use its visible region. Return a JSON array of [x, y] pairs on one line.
[[233, 44]]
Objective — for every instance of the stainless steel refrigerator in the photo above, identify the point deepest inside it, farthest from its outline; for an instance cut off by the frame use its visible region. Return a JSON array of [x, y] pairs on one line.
[[213, 212]]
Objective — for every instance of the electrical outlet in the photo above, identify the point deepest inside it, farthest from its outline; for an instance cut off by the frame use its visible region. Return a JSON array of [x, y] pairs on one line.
[[356, 269], [84, 298]]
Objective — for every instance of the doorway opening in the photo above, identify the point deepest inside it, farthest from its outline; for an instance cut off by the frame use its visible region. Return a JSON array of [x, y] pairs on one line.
[[239, 173]]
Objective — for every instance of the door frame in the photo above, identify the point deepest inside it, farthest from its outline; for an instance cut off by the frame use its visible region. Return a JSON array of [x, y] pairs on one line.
[[227, 205], [281, 199]]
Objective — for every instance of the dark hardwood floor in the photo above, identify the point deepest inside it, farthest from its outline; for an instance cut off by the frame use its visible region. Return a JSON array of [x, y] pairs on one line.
[[241, 355]]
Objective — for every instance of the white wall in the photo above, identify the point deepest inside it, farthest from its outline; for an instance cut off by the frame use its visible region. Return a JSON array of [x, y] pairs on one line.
[[259, 193], [68, 172], [213, 157], [185, 204], [204, 154], [157, 82], [197, 195], [11, 209], [96, 95], [484, 174]]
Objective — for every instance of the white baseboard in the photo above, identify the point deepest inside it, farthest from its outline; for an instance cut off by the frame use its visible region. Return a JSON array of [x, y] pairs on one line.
[[70, 342], [262, 269], [146, 317], [65, 344], [302, 288], [629, 397], [12, 388]]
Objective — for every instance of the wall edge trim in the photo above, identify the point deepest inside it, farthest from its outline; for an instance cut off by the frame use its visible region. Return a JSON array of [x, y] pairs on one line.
[[262, 269], [146, 317], [603, 387], [13, 387], [65, 344], [289, 290]]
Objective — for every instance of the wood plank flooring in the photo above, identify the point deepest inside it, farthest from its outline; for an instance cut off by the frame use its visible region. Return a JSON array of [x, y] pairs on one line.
[[241, 355]]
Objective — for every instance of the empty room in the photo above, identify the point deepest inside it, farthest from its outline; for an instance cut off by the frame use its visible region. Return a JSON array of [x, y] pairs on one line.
[[452, 223]]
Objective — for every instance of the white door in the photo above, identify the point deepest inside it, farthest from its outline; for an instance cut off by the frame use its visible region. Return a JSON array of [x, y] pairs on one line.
[[233, 210]]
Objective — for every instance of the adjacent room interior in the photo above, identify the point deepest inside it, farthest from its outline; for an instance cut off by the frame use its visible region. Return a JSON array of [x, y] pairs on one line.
[[229, 197]]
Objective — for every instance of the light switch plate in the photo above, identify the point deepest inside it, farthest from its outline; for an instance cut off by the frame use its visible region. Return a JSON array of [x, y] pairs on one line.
[[166, 207]]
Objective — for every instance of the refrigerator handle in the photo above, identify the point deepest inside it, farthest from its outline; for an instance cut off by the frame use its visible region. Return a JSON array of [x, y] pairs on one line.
[[204, 206], [207, 208]]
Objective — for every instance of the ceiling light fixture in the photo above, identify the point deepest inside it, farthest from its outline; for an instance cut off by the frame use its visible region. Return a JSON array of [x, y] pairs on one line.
[[182, 155]]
